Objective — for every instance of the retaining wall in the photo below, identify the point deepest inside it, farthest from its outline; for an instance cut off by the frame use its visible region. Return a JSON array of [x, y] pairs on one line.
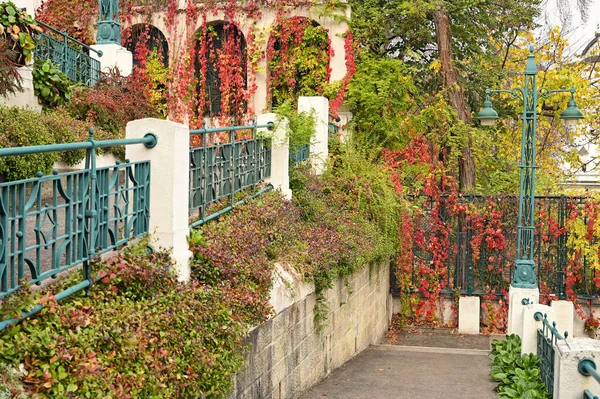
[[288, 355]]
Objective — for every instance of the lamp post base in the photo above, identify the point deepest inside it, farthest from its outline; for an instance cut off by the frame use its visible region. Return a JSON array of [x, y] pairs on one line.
[[516, 306]]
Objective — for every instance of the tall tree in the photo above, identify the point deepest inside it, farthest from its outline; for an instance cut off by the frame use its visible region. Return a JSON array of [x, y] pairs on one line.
[[446, 42]]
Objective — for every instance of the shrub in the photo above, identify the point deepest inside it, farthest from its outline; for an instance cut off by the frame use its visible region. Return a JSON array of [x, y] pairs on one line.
[[334, 225], [10, 78], [22, 127], [66, 129], [301, 125], [111, 103], [139, 334], [16, 29], [50, 84], [518, 376]]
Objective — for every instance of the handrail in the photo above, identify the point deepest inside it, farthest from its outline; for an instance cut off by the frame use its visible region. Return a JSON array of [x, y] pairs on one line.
[[149, 140], [204, 130], [587, 367], [538, 316], [65, 35]]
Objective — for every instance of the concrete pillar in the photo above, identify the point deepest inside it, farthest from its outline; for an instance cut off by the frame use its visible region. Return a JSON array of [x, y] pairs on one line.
[[169, 184], [468, 314], [515, 307], [565, 316], [30, 6], [25, 98], [530, 326], [569, 383], [319, 147], [113, 56], [280, 152]]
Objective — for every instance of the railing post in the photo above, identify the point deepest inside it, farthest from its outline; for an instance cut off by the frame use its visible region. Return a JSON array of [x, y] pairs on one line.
[[530, 325], [280, 152], [169, 185], [319, 146]]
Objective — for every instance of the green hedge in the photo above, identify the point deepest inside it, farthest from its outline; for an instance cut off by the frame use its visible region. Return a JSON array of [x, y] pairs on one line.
[[24, 127]]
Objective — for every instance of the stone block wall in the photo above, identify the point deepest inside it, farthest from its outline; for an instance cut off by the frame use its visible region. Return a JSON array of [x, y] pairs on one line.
[[288, 355]]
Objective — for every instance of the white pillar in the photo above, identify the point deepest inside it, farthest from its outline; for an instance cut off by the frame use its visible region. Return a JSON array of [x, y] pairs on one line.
[[27, 97], [319, 150], [468, 314], [29, 5], [565, 316], [515, 307], [529, 326], [280, 152], [169, 184], [569, 383], [113, 56]]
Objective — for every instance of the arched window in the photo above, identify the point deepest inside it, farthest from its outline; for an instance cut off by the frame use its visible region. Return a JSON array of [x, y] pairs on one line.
[[221, 71], [143, 40], [298, 60]]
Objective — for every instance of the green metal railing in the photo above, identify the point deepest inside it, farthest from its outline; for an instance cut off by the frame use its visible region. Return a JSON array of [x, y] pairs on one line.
[[492, 269], [547, 337], [332, 127], [49, 224], [220, 170], [299, 154], [587, 367], [69, 53]]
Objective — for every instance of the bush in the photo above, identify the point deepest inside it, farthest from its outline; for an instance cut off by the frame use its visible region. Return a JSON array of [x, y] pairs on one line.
[[50, 84], [140, 334], [66, 129], [518, 376], [111, 103], [16, 30], [335, 224], [10, 78], [22, 127]]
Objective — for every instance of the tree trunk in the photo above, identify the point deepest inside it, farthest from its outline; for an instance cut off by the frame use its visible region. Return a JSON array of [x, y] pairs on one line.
[[455, 94]]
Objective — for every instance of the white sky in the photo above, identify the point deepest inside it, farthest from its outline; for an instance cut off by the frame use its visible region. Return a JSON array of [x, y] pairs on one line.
[[578, 32]]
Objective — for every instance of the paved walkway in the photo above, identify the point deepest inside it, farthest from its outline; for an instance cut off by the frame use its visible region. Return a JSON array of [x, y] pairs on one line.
[[413, 372]]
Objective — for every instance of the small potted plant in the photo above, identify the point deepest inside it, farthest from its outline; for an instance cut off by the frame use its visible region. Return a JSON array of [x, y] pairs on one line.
[[591, 325]]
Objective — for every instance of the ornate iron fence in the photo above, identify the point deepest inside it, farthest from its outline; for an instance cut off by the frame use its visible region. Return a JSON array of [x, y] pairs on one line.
[[220, 170], [299, 154], [49, 224], [70, 54], [476, 267], [547, 337]]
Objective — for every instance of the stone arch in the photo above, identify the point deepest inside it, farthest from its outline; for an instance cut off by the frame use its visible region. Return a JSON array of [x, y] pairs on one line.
[[220, 63], [142, 36], [297, 73]]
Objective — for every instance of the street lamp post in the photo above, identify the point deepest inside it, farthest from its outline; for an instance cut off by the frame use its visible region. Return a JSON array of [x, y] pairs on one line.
[[524, 274]]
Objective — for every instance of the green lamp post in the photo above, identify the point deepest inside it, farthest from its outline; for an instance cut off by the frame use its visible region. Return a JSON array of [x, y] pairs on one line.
[[109, 29], [524, 274]]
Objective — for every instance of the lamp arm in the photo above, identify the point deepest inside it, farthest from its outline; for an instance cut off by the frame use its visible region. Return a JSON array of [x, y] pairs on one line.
[[545, 93], [515, 92]]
